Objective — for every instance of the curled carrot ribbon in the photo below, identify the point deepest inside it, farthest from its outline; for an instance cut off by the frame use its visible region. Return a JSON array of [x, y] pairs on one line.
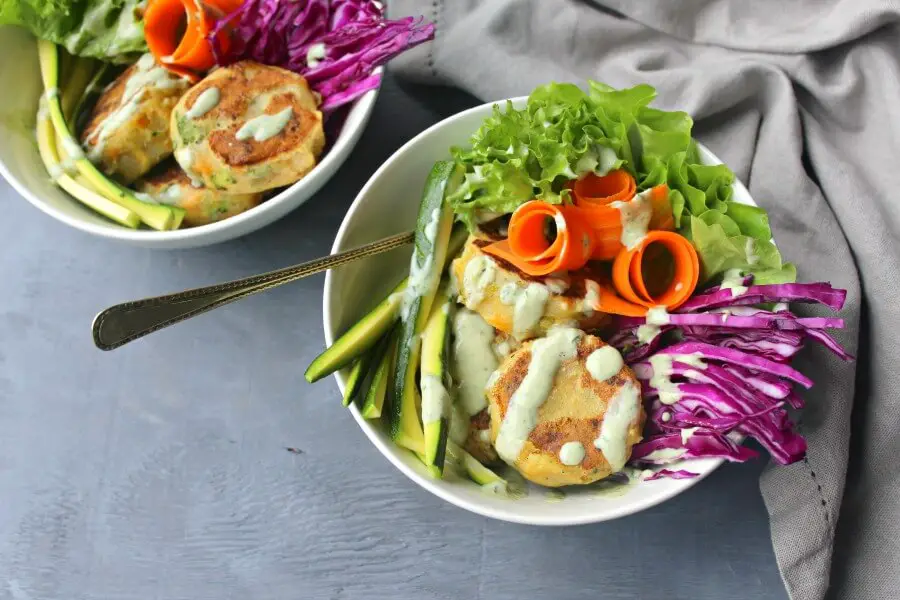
[[592, 229], [629, 268], [599, 199], [177, 30], [616, 185], [572, 244]]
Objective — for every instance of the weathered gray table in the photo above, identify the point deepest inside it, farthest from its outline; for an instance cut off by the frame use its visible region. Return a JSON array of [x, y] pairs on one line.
[[160, 470]]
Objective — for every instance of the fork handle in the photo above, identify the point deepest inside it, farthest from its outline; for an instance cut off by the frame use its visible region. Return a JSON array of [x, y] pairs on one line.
[[123, 323]]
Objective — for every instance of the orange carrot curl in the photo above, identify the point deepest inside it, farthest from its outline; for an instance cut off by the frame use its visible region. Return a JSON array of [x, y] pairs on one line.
[[545, 238], [177, 30]]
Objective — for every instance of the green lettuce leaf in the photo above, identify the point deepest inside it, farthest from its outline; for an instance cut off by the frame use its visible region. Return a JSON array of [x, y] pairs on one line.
[[564, 132], [714, 217], [720, 249], [111, 30], [752, 220], [786, 274], [676, 199], [518, 155]]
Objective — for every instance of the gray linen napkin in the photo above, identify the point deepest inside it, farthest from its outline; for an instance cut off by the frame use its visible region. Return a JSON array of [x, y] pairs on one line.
[[800, 98]]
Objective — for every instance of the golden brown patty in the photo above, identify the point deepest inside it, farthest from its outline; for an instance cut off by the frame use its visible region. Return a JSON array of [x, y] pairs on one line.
[[216, 148], [127, 133], [491, 287], [504, 344], [574, 411], [478, 442], [171, 185]]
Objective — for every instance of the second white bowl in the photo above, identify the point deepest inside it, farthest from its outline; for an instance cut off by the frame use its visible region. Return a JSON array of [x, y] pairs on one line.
[[388, 204], [21, 165]]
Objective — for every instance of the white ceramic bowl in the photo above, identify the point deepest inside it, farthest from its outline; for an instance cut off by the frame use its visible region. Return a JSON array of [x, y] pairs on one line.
[[387, 205], [21, 165]]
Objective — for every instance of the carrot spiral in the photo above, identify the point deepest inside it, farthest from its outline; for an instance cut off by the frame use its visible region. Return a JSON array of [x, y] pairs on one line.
[[177, 30], [592, 229]]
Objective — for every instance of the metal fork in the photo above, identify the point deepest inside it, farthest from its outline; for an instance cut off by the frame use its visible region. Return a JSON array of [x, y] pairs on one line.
[[123, 323]]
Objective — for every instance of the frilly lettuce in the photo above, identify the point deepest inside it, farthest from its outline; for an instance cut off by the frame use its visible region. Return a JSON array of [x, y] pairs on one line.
[[564, 133], [722, 246], [111, 30]]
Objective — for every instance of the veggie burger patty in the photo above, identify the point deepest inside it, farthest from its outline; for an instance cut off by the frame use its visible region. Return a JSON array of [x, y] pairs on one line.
[[498, 292], [170, 185], [127, 133], [247, 128], [589, 413]]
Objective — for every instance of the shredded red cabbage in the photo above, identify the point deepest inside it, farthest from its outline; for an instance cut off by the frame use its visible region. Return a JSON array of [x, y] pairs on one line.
[[335, 44], [662, 449], [732, 318], [768, 384], [748, 400], [829, 342], [693, 411], [772, 429], [719, 371], [667, 473], [736, 357], [822, 293]]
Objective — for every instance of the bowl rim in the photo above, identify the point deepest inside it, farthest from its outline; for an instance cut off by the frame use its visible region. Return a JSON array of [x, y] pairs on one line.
[[559, 518], [339, 152]]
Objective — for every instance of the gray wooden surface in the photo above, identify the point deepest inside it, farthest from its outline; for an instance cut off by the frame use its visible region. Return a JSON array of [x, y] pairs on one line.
[[160, 470]]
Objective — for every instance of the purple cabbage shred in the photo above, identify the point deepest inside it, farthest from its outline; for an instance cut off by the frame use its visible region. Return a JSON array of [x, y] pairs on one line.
[[719, 371], [335, 44], [669, 474]]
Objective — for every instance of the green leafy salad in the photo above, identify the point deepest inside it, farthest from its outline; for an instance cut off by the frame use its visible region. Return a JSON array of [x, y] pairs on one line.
[[563, 133], [111, 30]]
